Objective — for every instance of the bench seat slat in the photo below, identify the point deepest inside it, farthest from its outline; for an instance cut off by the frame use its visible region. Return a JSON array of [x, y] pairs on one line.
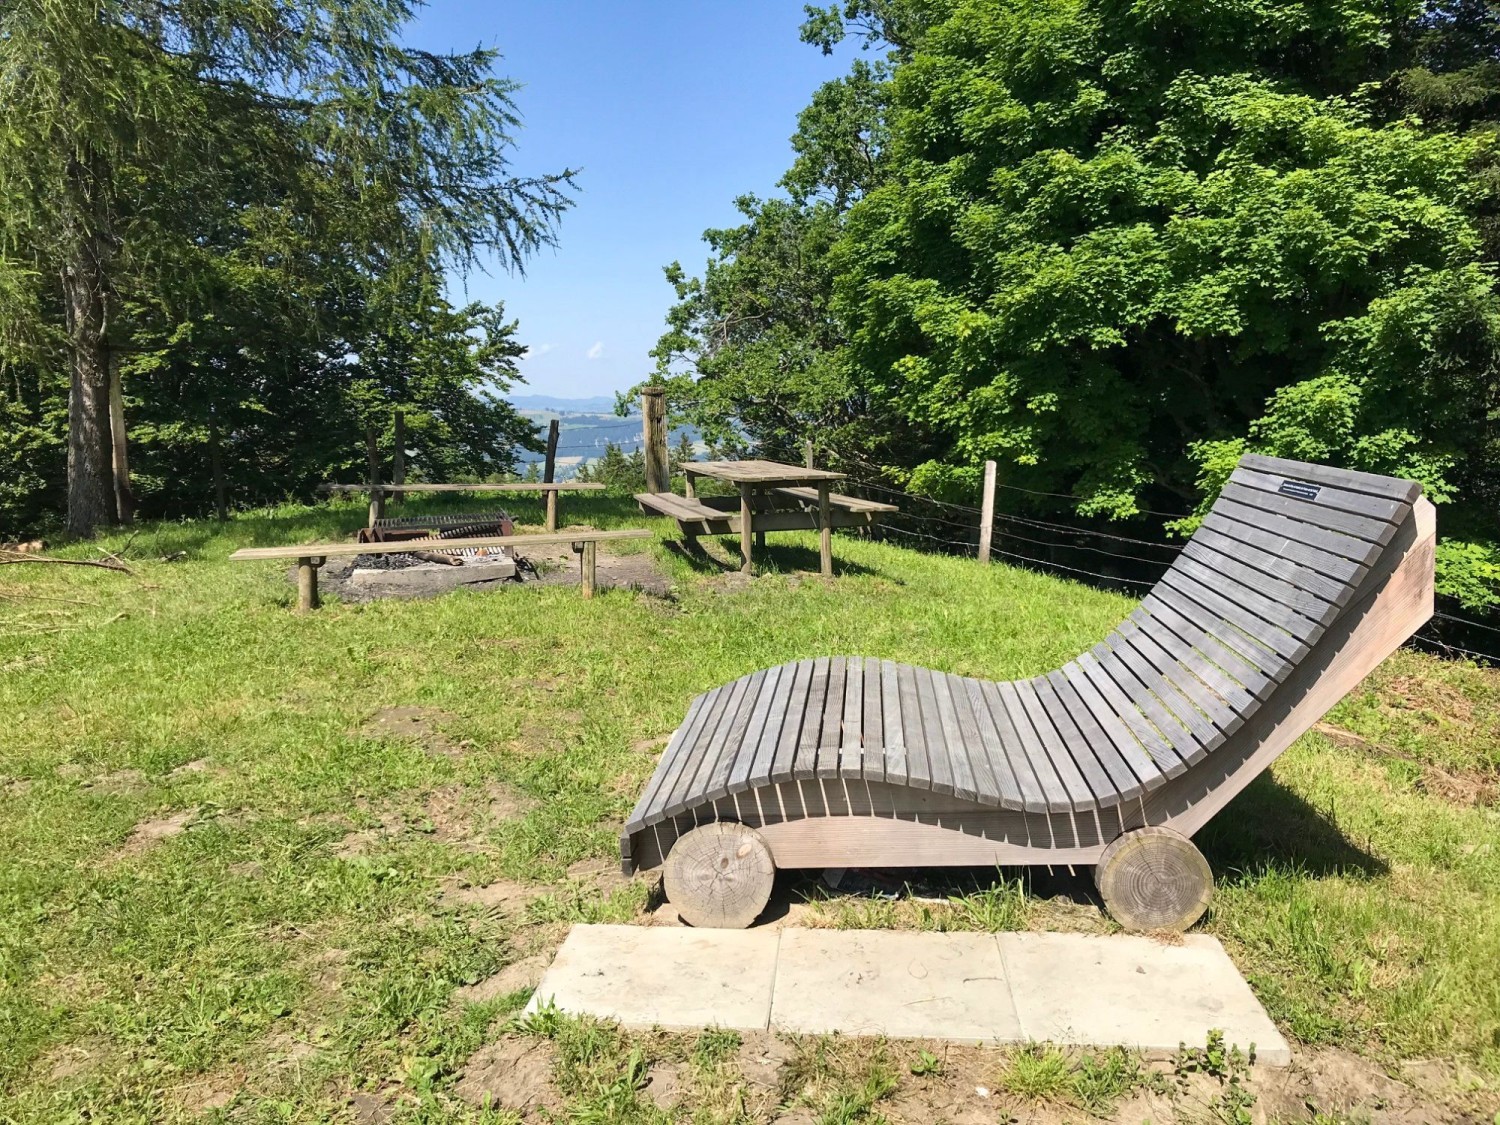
[[1311, 513]]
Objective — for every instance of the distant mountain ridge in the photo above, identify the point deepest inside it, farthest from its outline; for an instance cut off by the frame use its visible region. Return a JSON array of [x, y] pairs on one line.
[[597, 404]]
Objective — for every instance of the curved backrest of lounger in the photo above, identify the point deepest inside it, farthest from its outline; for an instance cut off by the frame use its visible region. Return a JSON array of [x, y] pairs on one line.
[[1288, 553]]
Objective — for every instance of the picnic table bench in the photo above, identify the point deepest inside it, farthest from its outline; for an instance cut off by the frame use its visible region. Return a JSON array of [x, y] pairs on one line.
[[765, 487], [1300, 580], [311, 556], [378, 492]]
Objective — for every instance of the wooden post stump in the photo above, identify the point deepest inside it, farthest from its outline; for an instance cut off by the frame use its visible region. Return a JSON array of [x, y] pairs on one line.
[[552, 509], [747, 521], [307, 584], [825, 531], [720, 875], [1154, 878], [654, 439], [589, 563], [987, 513]]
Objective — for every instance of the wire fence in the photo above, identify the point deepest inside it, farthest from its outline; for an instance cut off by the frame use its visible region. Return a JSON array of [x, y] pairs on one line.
[[1099, 557]]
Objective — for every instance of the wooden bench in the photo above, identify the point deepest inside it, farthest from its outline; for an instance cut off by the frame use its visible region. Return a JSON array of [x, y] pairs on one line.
[[378, 492], [311, 556], [720, 515], [1300, 581]]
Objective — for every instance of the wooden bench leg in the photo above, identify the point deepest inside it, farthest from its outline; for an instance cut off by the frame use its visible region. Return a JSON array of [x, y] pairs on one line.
[[747, 520], [307, 584], [825, 532], [760, 536], [552, 509], [589, 564], [689, 488]]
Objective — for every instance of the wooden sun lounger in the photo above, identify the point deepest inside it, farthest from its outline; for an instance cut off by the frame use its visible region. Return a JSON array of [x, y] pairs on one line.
[[1300, 581]]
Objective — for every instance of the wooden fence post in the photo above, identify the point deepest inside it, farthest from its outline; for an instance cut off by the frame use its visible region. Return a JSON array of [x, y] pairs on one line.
[[372, 455], [549, 470], [807, 452], [987, 513], [654, 424], [398, 454], [589, 562]]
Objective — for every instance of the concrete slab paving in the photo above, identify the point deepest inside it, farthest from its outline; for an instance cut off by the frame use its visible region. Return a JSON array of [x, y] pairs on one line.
[[1136, 992], [680, 979], [1074, 989], [901, 985]]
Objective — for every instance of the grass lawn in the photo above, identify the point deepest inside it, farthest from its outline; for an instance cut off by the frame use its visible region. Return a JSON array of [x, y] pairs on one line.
[[257, 866]]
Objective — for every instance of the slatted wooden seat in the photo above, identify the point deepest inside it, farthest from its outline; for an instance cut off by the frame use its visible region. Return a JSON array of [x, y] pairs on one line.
[[1301, 579]]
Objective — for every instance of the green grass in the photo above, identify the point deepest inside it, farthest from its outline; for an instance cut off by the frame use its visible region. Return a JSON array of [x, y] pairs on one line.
[[256, 953]]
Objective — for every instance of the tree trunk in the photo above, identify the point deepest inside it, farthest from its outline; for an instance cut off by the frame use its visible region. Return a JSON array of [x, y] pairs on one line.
[[85, 273], [119, 448], [216, 465]]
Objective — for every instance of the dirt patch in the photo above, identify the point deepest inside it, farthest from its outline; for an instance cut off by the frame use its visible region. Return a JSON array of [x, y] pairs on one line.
[[120, 783], [526, 973], [1337, 1082], [1466, 787], [207, 1092], [250, 869], [555, 567], [197, 765], [370, 1109], [454, 814], [419, 724], [502, 895], [148, 833], [664, 1084], [513, 1074], [16, 786]]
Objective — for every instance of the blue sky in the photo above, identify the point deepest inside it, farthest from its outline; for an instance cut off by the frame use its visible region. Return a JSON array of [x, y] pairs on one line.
[[671, 108]]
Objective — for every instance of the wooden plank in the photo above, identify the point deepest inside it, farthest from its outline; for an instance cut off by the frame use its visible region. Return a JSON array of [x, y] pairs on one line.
[[1311, 512], [872, 762], [253, 554], [1277, 640], [806, 762], [1341, 570], [1303, 577], [1265, 609], [1102, 788], [961, 772], [733, 746], [829, 734], [760, 735], [1309, 605], [1206, 704], [1113, 726], [1158, 615], [689, 754], [1054, 793], [1333, 542], [1153, 740], [1216, 625], [1392, 488], [918, 772], [1005, 782], [939, 757], [1187, 730], [1013, 773], [1329, 496], [674, 745], [768, 473], [783, 764], [809, 495], [1179, 745], [893, 737], [976, 759], [852, 725], [1234, 694], [1062, 695], [692, 782], [1080, 793]]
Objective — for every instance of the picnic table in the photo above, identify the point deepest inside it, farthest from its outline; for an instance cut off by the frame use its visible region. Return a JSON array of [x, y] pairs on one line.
[[772, 497]]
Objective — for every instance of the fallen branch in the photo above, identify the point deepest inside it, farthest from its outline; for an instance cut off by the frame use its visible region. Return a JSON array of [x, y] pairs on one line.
[[102, 564]]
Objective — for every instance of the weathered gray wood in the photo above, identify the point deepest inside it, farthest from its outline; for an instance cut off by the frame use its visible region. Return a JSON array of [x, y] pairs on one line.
[[772, 474], [1064, 701], [747, 526], [1341, 570], [307, 584], [1268, 609], [589, 567], [806, 762], [809, 495], [681, 752], [784, 764], [1192, 660], [1312, 513], [254, 554], [1150, 691], [972, 769], [825, 532], [1222, 610], [1218, 626], [694, 778], [760, 734], [987, 514], [939, 765], [1112, 724], [893, 736], [720, 875], [1178, 745], [918, 772], [1011, 763], [873, 761], [1329, 496], [1303, 602], [733, 746], [1054, 790], [830, 736], [654, 438], [1154, 879], [1102, 787], [1156, 614], [1194, 688], [1153, 742], [1351, 480], [1333, 542], [1303, 577]]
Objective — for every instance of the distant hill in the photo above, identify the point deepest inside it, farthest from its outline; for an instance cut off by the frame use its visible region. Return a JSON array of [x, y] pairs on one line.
[[599, 404]]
